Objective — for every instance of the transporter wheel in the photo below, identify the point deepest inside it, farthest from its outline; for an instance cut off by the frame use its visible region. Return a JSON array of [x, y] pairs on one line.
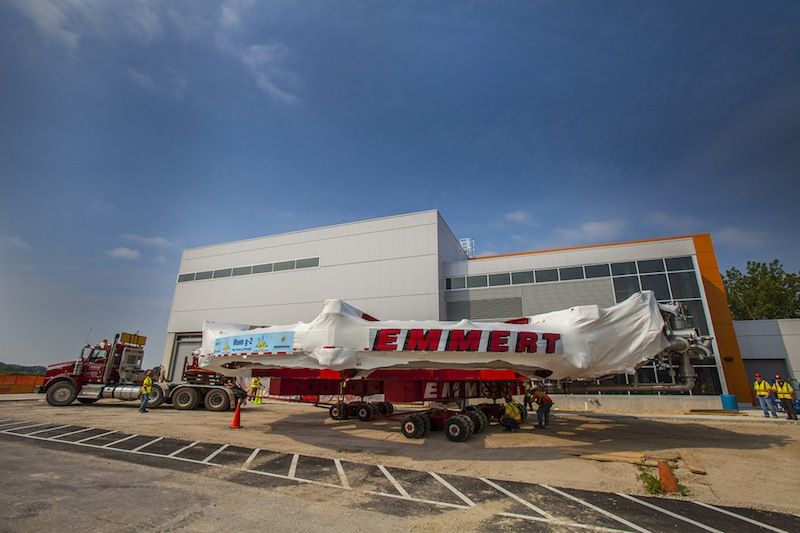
[[457, 428], [470, 423], [389, 407], [185, 398], [87, 401], [484, 419], [217, 400], [61, 393], [365, 412], [380, 408], [426, 421], [478, 422], [413, 426], [156, 396], [339, 411]]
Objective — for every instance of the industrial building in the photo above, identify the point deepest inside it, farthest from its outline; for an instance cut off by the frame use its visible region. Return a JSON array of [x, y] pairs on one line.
[[412, 266]]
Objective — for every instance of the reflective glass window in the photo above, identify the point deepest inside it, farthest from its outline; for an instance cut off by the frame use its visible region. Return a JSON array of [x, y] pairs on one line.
[[679, 263], [499, 279], [546, 275], [571, 273], [222, 273], [695, 308], [658, 284], [622, 269], [284, 265], [307, 263], [597, 271], [651, 265], [522, 277], [204, 275], [625, 287], [258, 269], [684, 285], [476, 281], [457, 283], [186, 277], [242, 271]]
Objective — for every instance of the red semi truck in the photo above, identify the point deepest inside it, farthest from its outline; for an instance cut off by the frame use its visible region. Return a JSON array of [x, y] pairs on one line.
[[115, 371]]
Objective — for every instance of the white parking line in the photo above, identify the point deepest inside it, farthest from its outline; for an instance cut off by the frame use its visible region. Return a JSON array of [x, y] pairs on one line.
[[669, 513], [342, 476], [250, 459], [394, 482], [214, 454], [56, 437], [48, 429], [596, 508], [281, 476], [146, 444], [452, 489], [564, 523], [418, 500], [510, 494], [179, 450], [123, 439], [293, 466], [740, 517], [26, 427], [96, 436], [5, 424]]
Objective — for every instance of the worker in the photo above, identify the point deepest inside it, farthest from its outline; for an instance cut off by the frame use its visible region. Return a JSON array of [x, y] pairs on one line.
[[147, 388], [544, 402], [528, 402], [255, 384], [764, 390], [512, 416], [785, 394]]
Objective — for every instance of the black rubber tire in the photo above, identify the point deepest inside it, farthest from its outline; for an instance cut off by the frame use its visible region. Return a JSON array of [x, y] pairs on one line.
[[61, 393], [457, 428], [87, 401], [426, 420], [185, 398], [471, 424], [217, 400], [365, 412], [380, 408], [156, 397], [339, 411], [389, 408], [412, 426], [477, 421], [484, 418]]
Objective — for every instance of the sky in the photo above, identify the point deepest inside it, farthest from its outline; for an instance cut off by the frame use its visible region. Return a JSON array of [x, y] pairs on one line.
[[130, 130]]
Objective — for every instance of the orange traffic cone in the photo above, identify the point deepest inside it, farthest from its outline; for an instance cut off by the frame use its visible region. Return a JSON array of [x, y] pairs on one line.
[[666, 479], [237, 416]]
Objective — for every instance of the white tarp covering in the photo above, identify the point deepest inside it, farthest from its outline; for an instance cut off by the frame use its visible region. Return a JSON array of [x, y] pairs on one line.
[[583, 342]]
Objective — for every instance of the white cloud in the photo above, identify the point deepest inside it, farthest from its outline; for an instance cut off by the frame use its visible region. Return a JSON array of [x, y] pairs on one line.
[[521, 217], [15, 242], [156, 240], [740, 238], [592, 232], [122, 252], [141, 79], [51, 20], [265, 62]]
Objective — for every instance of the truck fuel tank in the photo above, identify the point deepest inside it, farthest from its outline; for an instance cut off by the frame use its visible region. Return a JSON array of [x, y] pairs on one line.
[[122, 392]]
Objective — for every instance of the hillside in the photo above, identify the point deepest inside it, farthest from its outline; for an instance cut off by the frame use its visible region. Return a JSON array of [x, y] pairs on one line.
[[20, 369]]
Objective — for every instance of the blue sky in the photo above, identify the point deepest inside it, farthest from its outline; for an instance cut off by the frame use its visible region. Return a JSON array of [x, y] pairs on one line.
[[132, 129]]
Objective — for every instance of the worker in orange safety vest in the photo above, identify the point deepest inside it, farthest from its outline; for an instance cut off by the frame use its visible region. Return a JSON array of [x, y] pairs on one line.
[[785, 394], [763, 390]]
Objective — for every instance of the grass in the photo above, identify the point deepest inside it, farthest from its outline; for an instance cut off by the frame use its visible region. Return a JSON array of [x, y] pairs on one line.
[[653, 486]]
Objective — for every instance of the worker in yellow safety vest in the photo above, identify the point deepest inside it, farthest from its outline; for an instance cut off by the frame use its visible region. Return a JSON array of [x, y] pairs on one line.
[[255, 385], [144, 392], [512, 416], [785, 394], [763, 390], [528, 401]]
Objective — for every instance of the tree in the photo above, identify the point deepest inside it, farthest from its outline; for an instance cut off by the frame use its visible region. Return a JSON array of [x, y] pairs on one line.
[[765, 292]]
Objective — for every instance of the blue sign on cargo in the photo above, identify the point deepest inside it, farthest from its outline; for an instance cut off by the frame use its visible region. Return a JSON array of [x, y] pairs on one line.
[[258, 343]]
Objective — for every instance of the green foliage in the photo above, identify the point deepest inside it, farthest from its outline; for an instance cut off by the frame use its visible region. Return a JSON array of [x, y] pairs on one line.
[[650, 482], [766, 291], [20, 369]]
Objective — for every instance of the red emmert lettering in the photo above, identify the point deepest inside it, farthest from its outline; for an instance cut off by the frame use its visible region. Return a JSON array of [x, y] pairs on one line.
[[418, 341], [526, 342], [498, 341], [386, 339], [551, 339], [464, 341]]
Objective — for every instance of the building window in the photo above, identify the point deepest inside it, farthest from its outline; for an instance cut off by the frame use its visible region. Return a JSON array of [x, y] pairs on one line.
[[258, 269], [651, 265], [679, 263], [658, 284], [456, 283], [623, 269], [546, 275], [242, 271], [522, 277], [307, 263], [698, 314], [499, 279], [597, 271], [208, 274], [476, 281], [625, 287], [570, 273], [284, 265], [186, 277], [222, 273], [684, 285]]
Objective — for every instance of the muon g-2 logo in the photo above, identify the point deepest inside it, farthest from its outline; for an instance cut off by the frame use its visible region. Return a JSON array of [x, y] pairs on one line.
[[460, 340]]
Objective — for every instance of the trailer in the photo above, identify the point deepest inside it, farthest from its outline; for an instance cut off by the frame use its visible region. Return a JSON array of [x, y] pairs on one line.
[[114, 370]]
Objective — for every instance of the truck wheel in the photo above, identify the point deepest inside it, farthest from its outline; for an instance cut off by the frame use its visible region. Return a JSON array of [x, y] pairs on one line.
[[185, 398], [412, 426], [477, 421], [457, 429], [390, 407], [156, 397], [484, 418], [426, 420], [365, 412], [61, 393], [339, 411], [87, 401], [217, 400]]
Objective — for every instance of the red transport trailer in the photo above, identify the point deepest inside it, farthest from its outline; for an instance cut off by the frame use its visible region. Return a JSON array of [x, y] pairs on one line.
[[405, 386]]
